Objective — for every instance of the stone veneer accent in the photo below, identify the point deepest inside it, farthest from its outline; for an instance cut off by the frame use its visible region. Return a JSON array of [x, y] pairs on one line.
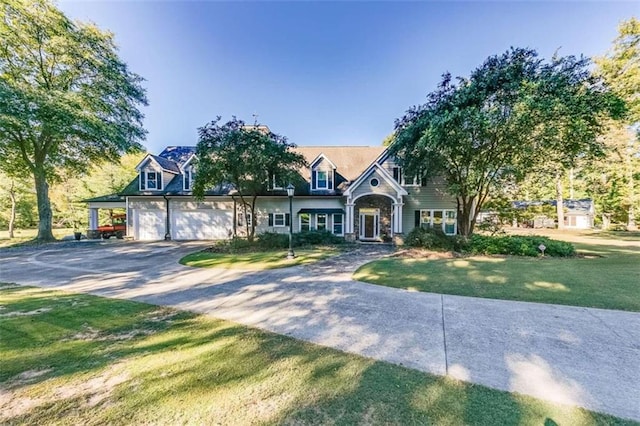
[[376, 202]]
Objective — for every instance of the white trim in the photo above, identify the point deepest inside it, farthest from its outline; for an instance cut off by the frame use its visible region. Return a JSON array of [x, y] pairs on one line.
[[300, 222], [384, 174], [318, 179], [184, 179], [284, 220], [374, 193], [326, 221], [333, 224], [146, 180], [150, 157], [313, 163], [444, 219], [188, 162], [376, 225]]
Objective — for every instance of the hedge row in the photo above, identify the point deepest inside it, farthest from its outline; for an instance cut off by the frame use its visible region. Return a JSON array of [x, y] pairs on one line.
[[518, 245]]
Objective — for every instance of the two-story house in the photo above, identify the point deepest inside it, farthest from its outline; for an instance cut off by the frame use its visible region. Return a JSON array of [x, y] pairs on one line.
[[358, 192]]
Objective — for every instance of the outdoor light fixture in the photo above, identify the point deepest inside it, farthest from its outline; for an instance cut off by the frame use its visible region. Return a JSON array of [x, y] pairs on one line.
[[290, 190]]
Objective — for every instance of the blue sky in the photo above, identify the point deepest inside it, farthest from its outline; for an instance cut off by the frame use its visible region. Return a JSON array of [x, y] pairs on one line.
[[324, 73]]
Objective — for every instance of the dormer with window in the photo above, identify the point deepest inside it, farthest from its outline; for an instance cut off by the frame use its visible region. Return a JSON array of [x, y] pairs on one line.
[[155, 173], [188, 174], [323, 174]]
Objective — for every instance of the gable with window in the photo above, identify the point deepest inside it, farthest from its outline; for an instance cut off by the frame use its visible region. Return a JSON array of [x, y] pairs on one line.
[[322, 174]]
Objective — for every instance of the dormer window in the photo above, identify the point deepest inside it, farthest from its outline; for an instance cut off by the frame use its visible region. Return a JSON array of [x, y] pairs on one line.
[[150, 180], [188, 179], [321, 180]]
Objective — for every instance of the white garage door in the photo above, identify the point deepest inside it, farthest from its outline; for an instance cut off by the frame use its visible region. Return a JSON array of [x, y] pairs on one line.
[[150, 224], [204, 224]]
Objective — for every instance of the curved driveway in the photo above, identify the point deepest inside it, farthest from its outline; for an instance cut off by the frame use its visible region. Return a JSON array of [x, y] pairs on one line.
[[579, 356]]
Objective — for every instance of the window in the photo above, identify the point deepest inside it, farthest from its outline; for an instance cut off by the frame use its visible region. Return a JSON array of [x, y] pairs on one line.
[[274, 184], [188, 179], [337, 224], [321, 179], [241, 218], [397, 174], [278, 219], [444, 220], [374, 182], [305, 222], [150, 180], [321, 222]]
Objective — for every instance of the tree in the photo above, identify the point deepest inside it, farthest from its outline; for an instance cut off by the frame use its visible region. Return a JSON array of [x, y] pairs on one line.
[[620, 68], [66, 99], [249, 158], [494, 128], [16, 202]]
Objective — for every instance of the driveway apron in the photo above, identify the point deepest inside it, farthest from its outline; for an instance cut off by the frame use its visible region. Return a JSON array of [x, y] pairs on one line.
[[572, 355]]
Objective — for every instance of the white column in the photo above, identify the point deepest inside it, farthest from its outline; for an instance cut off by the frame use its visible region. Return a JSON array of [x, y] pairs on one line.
[[93, 219], [397, 218], [349, 217]]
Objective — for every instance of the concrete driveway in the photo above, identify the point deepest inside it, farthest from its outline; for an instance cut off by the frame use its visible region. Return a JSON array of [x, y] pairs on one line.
[[578, 356]]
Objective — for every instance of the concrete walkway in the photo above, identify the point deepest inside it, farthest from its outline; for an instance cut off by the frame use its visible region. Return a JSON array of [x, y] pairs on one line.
[[578, 356]]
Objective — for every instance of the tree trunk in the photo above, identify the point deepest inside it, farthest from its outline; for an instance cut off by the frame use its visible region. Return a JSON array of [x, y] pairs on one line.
[[465, 216], [12, 218], [631, 214], [571, 179], [559, 201], [606, 221], [45, 215]]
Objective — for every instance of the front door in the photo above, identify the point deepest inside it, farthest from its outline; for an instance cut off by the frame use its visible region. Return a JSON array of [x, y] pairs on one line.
[[369, 224]]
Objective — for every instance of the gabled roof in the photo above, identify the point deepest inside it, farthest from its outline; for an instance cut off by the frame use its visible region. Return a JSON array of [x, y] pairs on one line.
[[164, 163], [350, 161], [383, 173]]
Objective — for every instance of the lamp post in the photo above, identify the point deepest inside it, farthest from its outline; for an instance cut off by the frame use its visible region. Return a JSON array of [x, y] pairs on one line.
[[290, 190]]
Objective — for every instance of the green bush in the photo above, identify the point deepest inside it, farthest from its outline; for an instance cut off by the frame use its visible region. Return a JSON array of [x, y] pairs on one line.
[[312, 238], [430, 239], [272, 240], [519, 245]]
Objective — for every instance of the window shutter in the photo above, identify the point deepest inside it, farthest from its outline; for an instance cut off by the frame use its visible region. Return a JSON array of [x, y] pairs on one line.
[[423, 181], [330, 178], [143, 183], [270, 219], [287, 219], [159, 175], [313, 179], [417, 216]]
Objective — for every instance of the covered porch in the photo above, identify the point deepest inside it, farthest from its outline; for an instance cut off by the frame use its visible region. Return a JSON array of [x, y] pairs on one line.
[[109, 203]]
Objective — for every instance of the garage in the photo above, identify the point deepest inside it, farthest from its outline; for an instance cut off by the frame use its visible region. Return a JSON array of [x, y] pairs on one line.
[[201, 224], [149, 224]]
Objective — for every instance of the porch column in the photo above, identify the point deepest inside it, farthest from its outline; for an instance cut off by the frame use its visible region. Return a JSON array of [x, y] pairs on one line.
[[93, 219], [397, 218], [349, 221]]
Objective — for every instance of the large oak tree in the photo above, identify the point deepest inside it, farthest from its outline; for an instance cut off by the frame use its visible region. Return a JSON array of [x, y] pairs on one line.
[[244, 158], [67, 100], [513, 116]]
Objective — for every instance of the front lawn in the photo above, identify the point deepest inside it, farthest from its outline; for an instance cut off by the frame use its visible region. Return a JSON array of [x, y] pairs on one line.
[[256, 260], [608, 277], [27, 236], [79, 359]]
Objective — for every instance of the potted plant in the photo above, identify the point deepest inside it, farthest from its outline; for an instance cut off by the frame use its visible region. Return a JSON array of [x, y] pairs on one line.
[[76, 230]]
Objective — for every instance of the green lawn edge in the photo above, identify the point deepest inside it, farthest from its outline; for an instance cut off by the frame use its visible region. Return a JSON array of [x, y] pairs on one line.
[[604, 276], [257, 260], [82, 359]]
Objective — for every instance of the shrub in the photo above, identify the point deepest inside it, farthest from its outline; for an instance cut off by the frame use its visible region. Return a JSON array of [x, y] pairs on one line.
[[519, 245], [310, 238], [272, 240], [430, 239]]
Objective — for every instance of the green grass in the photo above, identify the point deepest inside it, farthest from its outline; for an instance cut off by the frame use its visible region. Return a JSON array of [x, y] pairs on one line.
[[609, 278], [26, 236], [256, 260], [79, 359]]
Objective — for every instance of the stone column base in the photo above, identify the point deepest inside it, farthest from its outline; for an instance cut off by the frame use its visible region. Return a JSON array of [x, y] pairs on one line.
[[350, 237]]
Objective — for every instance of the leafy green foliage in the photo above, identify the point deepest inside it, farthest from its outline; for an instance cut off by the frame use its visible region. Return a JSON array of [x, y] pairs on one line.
[[429, 238], [66, 99], [245, 159], [275, 240], [518, 245], [513, 114]]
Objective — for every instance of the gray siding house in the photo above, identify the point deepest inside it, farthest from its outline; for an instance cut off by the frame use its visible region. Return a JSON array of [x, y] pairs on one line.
[[358, 192]]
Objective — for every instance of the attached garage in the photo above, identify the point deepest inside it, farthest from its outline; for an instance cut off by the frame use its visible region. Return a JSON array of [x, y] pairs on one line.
[[149, 225], [201, 224]]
